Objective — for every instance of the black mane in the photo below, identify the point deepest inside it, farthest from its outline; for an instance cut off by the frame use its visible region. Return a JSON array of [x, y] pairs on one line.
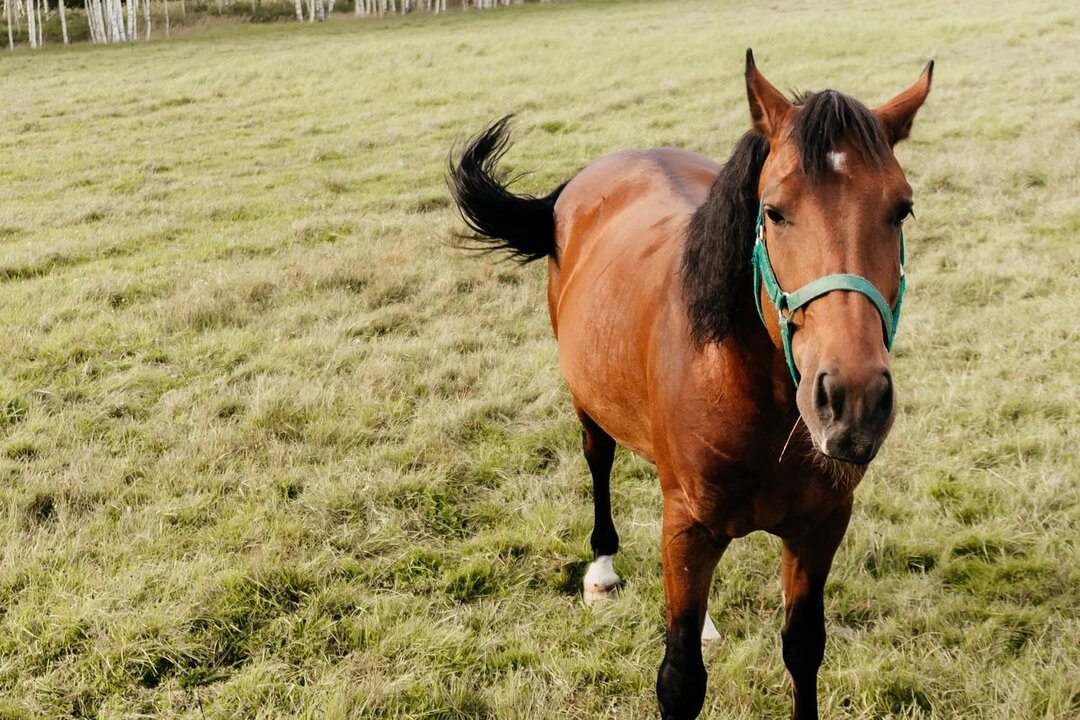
[[720, 236], [719, 242]]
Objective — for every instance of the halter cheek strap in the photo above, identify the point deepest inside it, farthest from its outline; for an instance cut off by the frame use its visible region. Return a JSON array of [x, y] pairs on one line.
[[788, 302]]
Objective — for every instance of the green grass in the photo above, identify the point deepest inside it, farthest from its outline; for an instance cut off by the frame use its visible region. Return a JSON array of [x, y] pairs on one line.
[[268, 448]]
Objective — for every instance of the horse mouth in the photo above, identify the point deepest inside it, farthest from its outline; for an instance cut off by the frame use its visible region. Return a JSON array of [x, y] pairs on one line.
[[856, 451]]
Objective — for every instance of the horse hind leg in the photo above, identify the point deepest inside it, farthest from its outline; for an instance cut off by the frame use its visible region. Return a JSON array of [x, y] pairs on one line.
[[601, 582]]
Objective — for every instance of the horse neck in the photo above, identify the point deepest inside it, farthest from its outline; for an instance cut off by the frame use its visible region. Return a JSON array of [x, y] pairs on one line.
[[763, 355]]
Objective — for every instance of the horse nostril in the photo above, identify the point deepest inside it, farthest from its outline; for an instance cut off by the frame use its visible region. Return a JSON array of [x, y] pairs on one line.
[[884, 405], [821, 399], [828, 396]]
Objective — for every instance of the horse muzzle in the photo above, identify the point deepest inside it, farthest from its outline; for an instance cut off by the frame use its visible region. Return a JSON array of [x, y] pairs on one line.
[[853, 412]]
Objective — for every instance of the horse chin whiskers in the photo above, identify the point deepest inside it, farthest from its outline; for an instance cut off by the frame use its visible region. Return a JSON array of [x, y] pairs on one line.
[[843, 474]]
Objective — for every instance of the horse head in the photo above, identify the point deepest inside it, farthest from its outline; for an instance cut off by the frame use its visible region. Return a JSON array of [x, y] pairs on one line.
[[829, 254]]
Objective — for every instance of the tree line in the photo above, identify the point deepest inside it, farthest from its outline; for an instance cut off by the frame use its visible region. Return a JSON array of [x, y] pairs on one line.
[[119, 21]]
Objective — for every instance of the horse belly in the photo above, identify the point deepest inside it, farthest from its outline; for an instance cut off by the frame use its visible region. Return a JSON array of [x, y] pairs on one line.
[[596, 362], [608, 308]]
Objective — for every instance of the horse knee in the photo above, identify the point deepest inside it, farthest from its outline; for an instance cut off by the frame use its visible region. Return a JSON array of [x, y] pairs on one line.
[[680, 689]]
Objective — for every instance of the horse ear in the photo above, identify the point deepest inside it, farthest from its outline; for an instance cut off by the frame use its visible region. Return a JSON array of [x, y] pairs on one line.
[[768, 106], [898, 114]]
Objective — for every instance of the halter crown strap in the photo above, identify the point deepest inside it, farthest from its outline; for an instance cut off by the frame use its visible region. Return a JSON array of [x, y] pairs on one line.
[[787, 303]]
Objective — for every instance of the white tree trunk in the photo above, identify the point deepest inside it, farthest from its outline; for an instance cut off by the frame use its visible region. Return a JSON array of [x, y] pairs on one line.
[[99, 20], [132, 19], [103, 30], [110, 19], [30, 27], [90, 21], [110, 16], [105, 6], [40, 25], [320, 11], [299, 10], [7, 14], [7, 19], [63, 22], [146, 17], [183, 8], [311, 10], [166, 4]]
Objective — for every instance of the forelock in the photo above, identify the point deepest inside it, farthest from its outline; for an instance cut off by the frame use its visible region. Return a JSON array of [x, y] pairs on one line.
[[823, 119]]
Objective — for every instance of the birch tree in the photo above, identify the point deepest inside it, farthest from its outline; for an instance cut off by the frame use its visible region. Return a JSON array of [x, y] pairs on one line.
[[89, 8], [121, 29], [31, 28], [63, 22], [7, 19], [97, 21]]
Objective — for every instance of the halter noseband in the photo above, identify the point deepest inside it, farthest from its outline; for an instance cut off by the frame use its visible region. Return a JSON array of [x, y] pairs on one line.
[[788, 302]]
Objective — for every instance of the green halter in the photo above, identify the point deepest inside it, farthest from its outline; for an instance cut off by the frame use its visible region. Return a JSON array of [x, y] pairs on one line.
[[788, 302]]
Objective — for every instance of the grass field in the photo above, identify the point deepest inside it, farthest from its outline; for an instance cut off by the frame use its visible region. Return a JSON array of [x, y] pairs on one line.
[[268, 448]]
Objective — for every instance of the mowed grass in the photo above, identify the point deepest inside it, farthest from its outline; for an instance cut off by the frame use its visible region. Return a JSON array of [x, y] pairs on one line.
[[269, 448]]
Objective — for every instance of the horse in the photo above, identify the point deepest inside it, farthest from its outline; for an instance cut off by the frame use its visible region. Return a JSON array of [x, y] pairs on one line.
[[732, 325]]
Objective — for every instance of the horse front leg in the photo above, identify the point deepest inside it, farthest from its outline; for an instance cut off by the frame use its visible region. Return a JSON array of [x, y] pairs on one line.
[[689, 554], [804, 567]]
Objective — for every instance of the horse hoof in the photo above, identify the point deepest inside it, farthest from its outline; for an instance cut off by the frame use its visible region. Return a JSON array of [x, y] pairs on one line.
[[709, 633], [601, 583]]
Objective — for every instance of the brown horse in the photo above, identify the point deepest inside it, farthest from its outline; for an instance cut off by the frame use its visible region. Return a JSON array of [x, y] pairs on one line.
[[654, 258]]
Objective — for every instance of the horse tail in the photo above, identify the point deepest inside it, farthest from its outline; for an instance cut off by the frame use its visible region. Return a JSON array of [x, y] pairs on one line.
[[522, 225]]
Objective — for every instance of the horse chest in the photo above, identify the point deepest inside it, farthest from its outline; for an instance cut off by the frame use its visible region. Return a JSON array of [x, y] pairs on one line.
[[737, 500]]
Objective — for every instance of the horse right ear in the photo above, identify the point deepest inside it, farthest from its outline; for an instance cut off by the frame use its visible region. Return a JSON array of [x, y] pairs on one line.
[[898, 114], [768, 106]]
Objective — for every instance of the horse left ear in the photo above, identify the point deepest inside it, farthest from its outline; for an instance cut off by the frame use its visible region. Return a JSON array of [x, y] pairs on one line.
[[769, 108], [898, 114]]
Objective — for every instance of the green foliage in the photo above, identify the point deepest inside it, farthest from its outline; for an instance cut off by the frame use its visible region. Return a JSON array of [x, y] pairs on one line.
[[270, 448]]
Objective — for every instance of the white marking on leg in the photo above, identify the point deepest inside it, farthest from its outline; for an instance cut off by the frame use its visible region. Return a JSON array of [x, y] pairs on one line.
[[600, 579], [709, 633], [838, 161]]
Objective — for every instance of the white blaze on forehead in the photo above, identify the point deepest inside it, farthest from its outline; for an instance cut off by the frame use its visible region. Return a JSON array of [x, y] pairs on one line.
[[838, 161]]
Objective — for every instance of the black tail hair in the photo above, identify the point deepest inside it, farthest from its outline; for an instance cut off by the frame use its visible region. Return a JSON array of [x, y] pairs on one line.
[[523, 225]]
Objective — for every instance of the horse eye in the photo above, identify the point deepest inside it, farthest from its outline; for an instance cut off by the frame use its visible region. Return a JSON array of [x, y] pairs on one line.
[[775, 217], [901, 215]]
